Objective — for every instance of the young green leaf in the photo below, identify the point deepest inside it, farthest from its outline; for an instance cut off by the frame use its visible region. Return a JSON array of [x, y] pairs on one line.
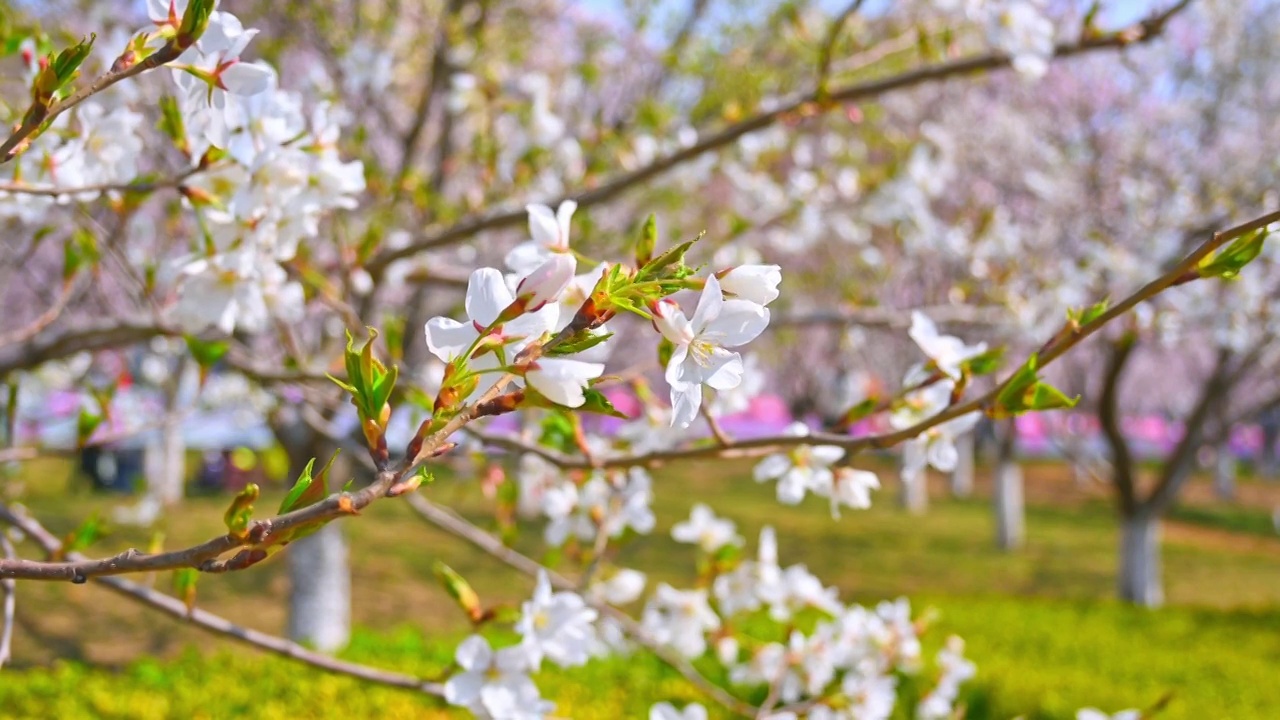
[[240, 512], [184, 586], [460, 590]]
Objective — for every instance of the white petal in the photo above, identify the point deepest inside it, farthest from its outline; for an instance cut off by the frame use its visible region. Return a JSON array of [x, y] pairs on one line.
[[564, 214], [447, 338], [670, 320], [685, 402], [709, 304], [771, 467], [463, 688], [543, 227], [723, 370], [739, 322], [487, 295], [474, 654], [245, 79]]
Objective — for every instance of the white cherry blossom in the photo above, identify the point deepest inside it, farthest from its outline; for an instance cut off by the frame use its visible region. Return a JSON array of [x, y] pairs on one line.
[[701, 355], [704, 529]]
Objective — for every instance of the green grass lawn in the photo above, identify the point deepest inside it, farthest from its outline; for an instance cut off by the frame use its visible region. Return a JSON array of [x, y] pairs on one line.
[[1039, 623]]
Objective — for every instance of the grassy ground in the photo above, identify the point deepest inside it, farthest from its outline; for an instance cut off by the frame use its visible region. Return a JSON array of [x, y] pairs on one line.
[[1039, 623]]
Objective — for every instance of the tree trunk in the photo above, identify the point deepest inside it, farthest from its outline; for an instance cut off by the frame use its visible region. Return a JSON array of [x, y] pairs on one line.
[[1267, 455], [962, 476], [1140, 578], [319, 571], [1224, 473], [320, 590], [914, 494], [166, 463], [1006, 494], [1009, 506]]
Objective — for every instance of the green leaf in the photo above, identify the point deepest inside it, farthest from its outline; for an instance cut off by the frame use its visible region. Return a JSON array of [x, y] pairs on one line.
[[648, 241], [460, 590], [1017, 386], [206, 353], [194, 22], [674, 256], [1048, 397], [1228, 262], [80, 251], [307, 490], [1084, 316], [62, 69], [184, 586], [986, 363], [557, 432], [596, 402], [665, 349], [240, 512], [171, 123], [579, 342], [860, 411], [86, 423], [89, 532]]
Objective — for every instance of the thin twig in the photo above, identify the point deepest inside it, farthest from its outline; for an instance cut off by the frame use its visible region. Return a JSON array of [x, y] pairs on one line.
[[756, 447], [833, 35], [11, 147], [451, 522], [221, 626], [814, 101], [260, 534]]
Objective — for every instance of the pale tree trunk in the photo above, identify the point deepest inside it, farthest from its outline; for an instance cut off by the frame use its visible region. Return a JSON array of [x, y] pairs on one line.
[[1224, 473], [1140, 576], [914, 494], [165, 463], [1006, 495], [962, 476], [165, 457], [320, 590], [319, 570]]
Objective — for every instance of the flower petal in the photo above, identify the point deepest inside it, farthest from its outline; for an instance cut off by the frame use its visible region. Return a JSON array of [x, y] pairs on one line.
[[447, 338], [487, 295]]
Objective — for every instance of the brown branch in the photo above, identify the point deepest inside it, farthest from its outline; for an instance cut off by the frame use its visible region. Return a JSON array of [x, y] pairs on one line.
[[54, 344], [833, 35], [1177, 467], [436, 78], [1061, 343], [31, 125], [1139, 32], [135, 187], [251, 545], [892, 317], [451, 522], [53, 312], [217, 625]]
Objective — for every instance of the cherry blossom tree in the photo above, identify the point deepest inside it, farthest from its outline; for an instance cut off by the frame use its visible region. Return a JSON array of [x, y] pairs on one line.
[[340, 222]]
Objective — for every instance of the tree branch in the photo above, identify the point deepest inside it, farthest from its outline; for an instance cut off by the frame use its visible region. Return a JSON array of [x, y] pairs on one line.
[[1109, 415], [53, 344], [1139, 32], [30, 126], [1059, 345], [1177, 467], [221, 626], [449, 521]]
